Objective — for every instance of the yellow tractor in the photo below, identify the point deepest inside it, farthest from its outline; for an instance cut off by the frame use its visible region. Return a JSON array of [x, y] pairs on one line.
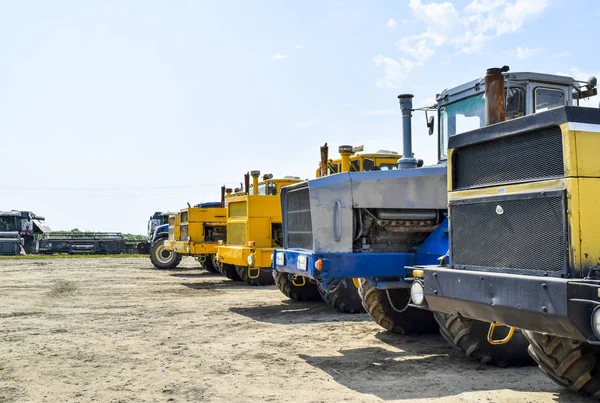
[[356, 161], [194, 231], [253, 230]]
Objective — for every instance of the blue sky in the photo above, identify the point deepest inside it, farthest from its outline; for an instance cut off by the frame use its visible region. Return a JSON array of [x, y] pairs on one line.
[[111, 110]]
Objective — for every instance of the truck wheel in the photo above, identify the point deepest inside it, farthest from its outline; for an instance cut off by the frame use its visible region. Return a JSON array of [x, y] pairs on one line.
[[209, 265], [228, 270], [161, 257], [470, 337], [388, 308], [265, 277], [304, 293], [342, 297], [570, 363]]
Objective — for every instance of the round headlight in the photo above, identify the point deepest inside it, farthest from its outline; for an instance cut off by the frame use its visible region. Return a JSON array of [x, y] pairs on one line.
[[189, 239], [596, 321], [417, 293], [250, 260]]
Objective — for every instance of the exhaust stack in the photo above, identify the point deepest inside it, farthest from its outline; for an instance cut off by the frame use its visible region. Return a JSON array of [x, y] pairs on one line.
[[246, 182], [324, 159], [255, 175], [407, 161], [223, 196], [495, 99], [345, 152]]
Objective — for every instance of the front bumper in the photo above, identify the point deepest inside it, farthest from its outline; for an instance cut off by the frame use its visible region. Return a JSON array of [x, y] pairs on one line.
[[557, 306], [192, 248], [238, 255], [343, 265]]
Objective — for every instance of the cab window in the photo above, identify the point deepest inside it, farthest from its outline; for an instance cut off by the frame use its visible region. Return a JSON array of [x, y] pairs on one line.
[[269, 189], [548, 98]]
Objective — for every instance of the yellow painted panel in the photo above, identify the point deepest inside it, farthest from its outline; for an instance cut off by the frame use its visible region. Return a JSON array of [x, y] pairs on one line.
[[557, 184], [449, 167], [588, 146], [259, 231], [569, 150], [589, 222], [237, 208]]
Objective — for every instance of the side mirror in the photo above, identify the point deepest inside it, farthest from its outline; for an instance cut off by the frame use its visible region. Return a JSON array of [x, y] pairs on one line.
[[430, 125]]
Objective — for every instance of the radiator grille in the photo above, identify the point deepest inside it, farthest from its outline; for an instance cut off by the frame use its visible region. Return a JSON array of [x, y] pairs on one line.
[[523, 157], [525, 233], [184, 216], [298, 219], [183, 233], [236, 233], [172, 221], [237, 209]]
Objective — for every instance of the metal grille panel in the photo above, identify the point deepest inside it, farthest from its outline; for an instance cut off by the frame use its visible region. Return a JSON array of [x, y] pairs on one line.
[[237, 209], [525, 233], [298, 219], [523, 157], [236, 234], [184, 216], [183, 233]]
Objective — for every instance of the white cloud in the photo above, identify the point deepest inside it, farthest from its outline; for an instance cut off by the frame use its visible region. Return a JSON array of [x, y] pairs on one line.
[[526, 53], [394, 71], [469, 29], [306, 123], [391, 23], [299, 47], [280, 57]]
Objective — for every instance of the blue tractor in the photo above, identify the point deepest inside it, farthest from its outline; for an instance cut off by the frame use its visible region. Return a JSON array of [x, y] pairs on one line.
[[158, 228], [367, 230]]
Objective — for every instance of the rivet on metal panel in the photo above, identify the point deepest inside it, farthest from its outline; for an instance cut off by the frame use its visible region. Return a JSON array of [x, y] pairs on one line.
[[544, 309], [544, 286]]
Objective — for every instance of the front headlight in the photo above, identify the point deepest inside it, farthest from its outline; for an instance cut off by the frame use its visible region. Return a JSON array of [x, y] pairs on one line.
[[596, 322], [302, 262], [280, 259], [250, 260], [417, 293]]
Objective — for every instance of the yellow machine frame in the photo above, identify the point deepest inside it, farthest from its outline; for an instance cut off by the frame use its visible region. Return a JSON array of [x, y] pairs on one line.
[[250, 219], [187, 230], [351, 161], [582, 184]]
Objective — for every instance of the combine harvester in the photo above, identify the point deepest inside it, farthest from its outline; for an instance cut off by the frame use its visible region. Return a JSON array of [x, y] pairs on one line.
[[11, 242], [376, 226], [74, 243]]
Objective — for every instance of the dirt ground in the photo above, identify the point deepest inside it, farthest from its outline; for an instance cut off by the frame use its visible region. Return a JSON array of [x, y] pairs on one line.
[[117, 330]]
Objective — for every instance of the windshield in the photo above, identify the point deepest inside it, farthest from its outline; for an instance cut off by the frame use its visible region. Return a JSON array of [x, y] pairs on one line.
[[469, 114], [459, 117], [9, 223]]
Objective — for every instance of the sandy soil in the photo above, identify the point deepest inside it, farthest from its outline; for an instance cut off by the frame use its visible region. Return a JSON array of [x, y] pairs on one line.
[[117, 330]]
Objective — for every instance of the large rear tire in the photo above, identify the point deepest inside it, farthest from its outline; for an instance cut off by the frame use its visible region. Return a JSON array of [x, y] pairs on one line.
[[570, 363], [163, 258], [342, 297], [304, 293], [470, 337], [388, 308], [209, 266], [265, 275], [228, 270]]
